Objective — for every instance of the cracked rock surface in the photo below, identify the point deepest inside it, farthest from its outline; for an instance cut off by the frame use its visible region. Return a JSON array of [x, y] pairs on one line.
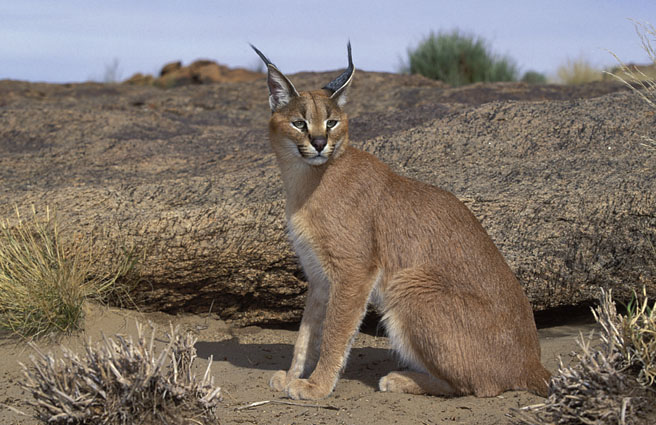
[[557, 175]]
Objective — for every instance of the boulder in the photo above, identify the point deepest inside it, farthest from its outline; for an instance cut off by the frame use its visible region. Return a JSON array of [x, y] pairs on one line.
[[201, 71], [557, 175], [140, 79], [170, 68]]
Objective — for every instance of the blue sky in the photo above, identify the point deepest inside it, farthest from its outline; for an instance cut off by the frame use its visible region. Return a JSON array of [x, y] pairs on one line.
[[74, 40]]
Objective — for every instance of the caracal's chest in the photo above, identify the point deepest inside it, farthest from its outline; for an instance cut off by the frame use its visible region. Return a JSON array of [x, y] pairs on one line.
[[305, 246], [301, 237]]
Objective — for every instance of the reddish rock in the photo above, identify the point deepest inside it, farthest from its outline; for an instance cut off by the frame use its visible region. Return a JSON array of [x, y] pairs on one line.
[[170, 67], [201, 71], [140, 79]]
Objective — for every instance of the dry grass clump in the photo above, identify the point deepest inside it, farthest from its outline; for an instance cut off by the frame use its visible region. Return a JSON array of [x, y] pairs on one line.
[[123, 382], [632, 74], [642, 83], [44, 282], [638, 346], [614, 382], [577, 71], [608, 384]]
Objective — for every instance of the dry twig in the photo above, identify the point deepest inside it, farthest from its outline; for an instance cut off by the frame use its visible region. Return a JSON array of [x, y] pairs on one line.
[[285, 402]]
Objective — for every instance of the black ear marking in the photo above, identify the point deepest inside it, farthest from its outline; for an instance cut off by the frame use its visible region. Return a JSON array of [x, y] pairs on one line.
[[281, 90], [266, 61], [339, 82]]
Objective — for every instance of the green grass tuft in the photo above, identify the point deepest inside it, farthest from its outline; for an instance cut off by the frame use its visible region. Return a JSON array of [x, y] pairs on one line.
[[43, 282], [459, 59]]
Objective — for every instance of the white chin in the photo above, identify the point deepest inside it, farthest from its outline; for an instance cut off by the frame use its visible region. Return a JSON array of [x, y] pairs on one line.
[[317, 160]]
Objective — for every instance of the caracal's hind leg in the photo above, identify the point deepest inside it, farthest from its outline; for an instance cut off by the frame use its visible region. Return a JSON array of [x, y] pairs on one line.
[[437, 326], [415, 383], [413, 335]]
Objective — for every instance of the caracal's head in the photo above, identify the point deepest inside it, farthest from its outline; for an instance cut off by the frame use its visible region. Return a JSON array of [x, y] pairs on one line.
[[307, 126]]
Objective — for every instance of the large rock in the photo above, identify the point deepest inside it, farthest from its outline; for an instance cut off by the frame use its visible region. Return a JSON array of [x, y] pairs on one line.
[[557, 175], [201, 71]]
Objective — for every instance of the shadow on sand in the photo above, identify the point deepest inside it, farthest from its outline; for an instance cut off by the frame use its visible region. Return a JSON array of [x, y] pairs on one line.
[[366, 364]]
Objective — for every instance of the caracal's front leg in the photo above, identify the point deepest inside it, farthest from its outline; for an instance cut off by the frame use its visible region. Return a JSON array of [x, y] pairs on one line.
[[306, 348], [346, 308]]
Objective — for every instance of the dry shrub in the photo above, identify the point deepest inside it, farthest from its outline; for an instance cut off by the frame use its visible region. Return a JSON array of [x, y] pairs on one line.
[[642, 84], [577, 71], [44, 282], [638, 346], [614, 382], [123, 382], [608, 383]]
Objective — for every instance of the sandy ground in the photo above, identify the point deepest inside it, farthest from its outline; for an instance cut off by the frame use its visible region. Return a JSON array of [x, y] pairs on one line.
[[245, 358]]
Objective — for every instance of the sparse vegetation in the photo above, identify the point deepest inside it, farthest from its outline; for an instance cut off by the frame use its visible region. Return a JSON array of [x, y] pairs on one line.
[[123, 382], [636, 74], [459, 59], [642, 83], [612, 383], [639, 340], [112, 72], [44, 284], [577, 71], [534, 77], [615, 382]]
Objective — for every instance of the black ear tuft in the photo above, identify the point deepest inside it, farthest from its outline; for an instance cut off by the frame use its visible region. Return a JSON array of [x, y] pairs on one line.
[[340, 82], [281, 90], [266, 61]]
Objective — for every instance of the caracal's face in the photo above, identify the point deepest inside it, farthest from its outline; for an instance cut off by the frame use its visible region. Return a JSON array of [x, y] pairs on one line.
[[311, 127]]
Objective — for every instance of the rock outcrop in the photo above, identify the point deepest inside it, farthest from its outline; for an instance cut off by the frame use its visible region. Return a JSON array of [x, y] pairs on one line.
[[201, 71], [557, 175]]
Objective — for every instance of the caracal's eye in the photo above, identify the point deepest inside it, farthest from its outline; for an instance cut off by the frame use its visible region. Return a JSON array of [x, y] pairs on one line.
[[300, 124], [331, 123]]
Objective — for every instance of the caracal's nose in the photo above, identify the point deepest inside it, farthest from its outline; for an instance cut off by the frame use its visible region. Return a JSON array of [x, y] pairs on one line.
[[318, 143]]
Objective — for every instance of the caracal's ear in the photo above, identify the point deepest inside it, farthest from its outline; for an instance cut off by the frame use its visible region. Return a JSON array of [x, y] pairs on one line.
[[281, 90], [339, 85]]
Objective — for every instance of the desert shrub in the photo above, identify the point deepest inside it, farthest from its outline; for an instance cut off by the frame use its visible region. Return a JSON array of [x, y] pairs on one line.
[[43, 283], [123, 382], [636, 74], [459, 59], [577, 71], [638, 333], [611, 383], [534, 77], [615, 382], [642, 84]]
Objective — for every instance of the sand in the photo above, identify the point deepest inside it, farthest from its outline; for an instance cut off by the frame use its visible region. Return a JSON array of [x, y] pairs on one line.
[[245, 358]]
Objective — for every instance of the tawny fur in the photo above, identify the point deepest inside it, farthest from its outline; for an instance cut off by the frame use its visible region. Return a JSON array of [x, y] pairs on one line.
[[453, 309]]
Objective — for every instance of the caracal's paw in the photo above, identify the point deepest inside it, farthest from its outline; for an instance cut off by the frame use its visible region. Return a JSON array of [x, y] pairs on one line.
[[394, 382], [279, 380], [414, 383], [303, 389]]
